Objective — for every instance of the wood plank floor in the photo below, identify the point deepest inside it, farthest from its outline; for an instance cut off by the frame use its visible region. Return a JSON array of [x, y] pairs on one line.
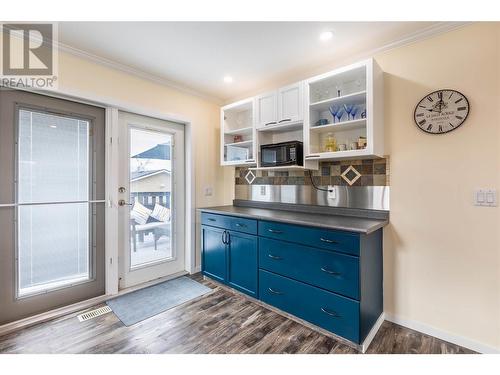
[[221, 322]]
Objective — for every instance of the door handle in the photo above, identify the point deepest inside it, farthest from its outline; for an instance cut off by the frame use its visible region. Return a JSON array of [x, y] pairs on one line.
[[331, 313], [122, 202], [285, 119], [275, 257], [274, 231], [270, 123], [274, 291], [327, 240], [228, 236], [324, 269]]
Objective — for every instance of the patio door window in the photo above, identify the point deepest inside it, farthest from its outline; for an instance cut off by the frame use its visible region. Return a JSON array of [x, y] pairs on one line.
[[52, 203]]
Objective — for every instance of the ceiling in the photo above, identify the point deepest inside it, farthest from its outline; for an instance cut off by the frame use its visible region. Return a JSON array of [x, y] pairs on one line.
[[197, 55]]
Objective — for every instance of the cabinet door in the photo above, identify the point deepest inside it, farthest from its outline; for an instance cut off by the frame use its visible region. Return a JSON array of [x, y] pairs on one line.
[[242, 259], [266, 110], [290, 103], [213, 250]]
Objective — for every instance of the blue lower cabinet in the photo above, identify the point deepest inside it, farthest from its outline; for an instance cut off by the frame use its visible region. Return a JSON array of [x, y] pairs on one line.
[[242, 262], [326, 269], [330, 311], [330, 278], [213, 252]]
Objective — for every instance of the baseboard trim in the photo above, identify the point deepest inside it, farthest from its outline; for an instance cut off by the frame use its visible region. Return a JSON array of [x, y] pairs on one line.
[[442, 335], [76, 308], [51, 315], [371, 335]]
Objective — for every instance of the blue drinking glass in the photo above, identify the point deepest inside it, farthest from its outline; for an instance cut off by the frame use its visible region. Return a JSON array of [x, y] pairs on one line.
[[339, 114], [348, 108], [334, 109], [354, 110]]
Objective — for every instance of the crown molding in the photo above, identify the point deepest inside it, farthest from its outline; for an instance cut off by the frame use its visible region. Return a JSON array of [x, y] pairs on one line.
[[135, 72], [426, 33], [417, 36]]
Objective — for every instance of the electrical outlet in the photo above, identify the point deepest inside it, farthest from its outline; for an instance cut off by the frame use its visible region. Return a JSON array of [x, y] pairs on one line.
[[332, 193]]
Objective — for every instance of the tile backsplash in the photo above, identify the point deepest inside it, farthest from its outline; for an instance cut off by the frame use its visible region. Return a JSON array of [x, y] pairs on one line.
[[364, 172]]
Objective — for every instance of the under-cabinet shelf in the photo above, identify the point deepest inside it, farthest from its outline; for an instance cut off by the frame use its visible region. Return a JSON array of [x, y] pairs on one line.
[[282, 168], [283, 127]]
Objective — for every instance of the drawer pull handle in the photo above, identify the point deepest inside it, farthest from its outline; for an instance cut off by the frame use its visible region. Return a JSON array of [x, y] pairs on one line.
[[240, 225], [270, 123], [330, 272], [210, 219], [331, 313], [275, 257], [274, 291], [274, 231], [327, 240]]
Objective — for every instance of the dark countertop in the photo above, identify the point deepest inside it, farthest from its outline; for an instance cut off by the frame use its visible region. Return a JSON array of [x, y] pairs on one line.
[[339, 222]]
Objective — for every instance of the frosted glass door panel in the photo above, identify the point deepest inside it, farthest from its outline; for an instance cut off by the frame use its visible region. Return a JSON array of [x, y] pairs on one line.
[[53, 158], [53, 239]]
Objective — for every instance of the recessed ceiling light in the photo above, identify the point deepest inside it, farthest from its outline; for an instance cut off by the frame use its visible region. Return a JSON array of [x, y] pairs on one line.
[[326, 35], [228, 79]]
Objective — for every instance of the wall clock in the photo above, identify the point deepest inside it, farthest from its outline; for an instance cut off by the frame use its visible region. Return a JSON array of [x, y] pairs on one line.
[[441, 111]]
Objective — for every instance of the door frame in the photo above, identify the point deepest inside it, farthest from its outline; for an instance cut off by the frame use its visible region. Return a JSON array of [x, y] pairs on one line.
[[146, 123], [112, 107]]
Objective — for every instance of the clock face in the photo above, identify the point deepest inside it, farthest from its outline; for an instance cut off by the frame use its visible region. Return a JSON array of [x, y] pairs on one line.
[[441, 111]]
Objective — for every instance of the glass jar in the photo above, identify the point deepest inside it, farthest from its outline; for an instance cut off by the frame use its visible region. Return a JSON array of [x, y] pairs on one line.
[[330, 143]]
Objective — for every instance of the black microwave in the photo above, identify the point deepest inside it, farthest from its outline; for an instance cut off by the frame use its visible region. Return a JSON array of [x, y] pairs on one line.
[[278, 154]]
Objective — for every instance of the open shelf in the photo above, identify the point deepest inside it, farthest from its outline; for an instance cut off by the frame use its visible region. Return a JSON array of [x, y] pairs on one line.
[[239, 162], [344, 125], [284, 127], [243, 131], [354, 98], [347, 154], [240, 144], [280, 168]]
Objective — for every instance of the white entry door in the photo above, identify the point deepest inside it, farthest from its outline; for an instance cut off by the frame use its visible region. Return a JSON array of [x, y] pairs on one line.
[[151, 199]]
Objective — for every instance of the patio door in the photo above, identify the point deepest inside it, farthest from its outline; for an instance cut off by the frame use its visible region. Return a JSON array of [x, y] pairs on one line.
[[52, 161], [151, 199]]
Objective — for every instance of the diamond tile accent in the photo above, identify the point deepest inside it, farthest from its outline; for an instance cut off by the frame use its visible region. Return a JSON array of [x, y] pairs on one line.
[[350, 175], [250, 177]]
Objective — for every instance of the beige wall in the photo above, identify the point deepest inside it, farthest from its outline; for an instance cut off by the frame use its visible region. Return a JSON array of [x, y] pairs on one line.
[[441, 253], [89, 79]]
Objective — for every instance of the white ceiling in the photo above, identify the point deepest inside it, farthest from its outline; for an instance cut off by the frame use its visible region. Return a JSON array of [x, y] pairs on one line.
[[197, 55]]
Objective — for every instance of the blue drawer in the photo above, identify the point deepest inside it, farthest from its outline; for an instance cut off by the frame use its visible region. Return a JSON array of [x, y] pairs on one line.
[[229, 222], [344, 242], [327, 269], [330, 311]]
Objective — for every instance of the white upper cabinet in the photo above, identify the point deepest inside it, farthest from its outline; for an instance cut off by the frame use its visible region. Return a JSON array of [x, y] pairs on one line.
[[281, 107], [266, 109], [337, 115], [291, 103], [238, 133], [344, 119]]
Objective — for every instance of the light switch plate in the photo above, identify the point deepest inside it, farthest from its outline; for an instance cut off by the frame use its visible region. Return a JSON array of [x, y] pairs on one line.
[[208, 191], [485, 197]]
